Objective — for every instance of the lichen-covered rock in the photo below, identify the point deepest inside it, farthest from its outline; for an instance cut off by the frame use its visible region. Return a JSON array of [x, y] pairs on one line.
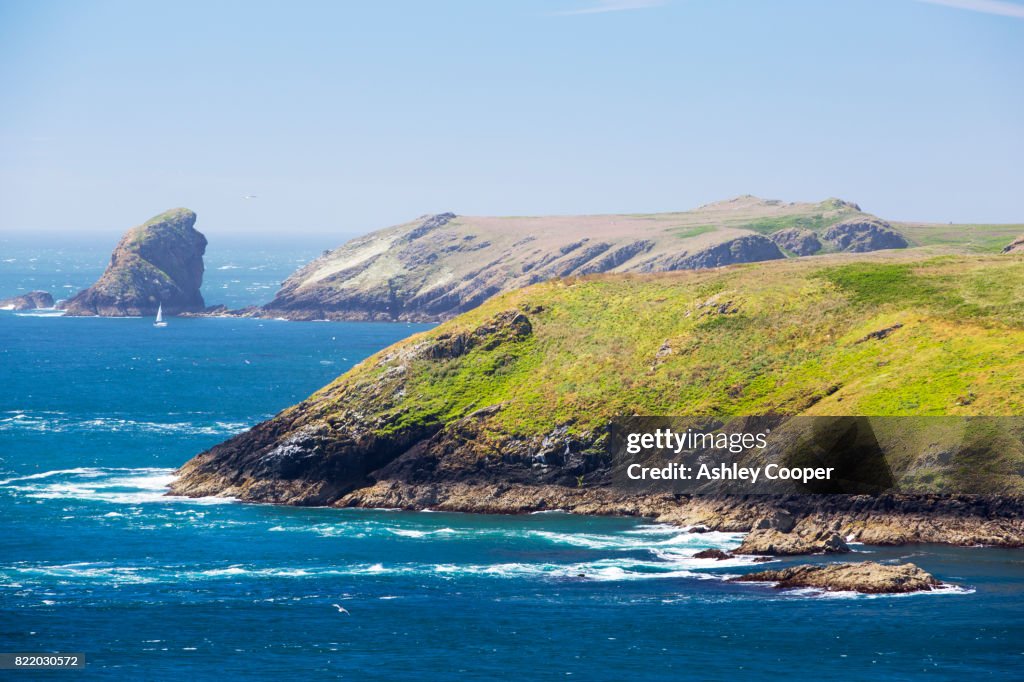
[[30, 301], [867, 577], [157, 263], [860, 235], [797, 241], [772, 542]]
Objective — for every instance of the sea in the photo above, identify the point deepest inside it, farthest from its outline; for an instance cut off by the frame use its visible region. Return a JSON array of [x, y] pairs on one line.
[[96, 559]]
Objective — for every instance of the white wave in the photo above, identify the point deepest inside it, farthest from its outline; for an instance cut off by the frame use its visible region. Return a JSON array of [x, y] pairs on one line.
[[61, 423], [115, 485], [605, 570], [41, 312], [230, 267], [80, 471], [821, 593], [659, 539], [411, 533]]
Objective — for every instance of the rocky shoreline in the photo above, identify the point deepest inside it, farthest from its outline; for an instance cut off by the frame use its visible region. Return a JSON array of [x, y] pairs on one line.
[[776, 525]]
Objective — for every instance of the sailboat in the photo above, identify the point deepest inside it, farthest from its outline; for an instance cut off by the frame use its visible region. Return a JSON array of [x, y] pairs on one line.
[[160, 316]]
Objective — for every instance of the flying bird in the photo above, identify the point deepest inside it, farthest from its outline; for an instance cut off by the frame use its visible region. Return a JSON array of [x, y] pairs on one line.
[[341, 609], [250, 196]]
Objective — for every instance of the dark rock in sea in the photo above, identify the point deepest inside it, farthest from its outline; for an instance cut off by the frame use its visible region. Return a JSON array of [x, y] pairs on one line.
[[770, 541], [157, 263], [865, 234], [30, 301], [716, 554], [867, 577], [797, 241], [1016, 246]]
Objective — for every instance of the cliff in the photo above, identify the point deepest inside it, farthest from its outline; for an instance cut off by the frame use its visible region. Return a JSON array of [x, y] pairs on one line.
[[441, 265], [507, 408], [157, 263]]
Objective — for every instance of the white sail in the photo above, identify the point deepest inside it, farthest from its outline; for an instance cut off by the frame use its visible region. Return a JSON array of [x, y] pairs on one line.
[[160, 316]]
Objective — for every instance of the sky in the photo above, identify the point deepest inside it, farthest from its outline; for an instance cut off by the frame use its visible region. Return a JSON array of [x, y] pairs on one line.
[[338, 118]]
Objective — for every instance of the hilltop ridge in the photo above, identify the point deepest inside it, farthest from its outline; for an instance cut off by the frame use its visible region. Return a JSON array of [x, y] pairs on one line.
[[440, 265]]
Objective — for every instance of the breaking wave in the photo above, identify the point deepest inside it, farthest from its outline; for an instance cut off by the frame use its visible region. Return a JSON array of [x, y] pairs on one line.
[[59, 422]]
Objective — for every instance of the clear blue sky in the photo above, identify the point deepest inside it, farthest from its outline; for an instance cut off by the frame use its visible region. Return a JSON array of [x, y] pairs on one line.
[[345, 117]]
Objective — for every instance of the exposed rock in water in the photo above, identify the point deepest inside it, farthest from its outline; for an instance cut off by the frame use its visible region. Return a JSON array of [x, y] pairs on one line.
[[772, 542], [716, 554], [1016, 246], [865, 234], [30, 301], [157, 263], [797, 241], [867, 577]]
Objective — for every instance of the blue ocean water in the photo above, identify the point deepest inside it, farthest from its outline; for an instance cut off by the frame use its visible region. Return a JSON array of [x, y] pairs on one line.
[[95, 414]]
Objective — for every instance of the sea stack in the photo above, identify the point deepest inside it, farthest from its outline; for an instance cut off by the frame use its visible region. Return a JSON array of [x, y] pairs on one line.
[[160, 262]]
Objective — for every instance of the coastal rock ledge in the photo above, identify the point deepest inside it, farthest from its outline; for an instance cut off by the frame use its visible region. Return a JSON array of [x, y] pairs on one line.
[[33, 300], [157, 263], [867, 577]]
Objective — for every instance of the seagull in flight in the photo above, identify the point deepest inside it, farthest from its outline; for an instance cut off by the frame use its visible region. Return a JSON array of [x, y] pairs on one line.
[[341, 609], [250, 196]]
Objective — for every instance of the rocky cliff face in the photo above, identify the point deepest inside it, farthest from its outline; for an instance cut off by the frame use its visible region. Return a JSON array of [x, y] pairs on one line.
[[441, 265], [507, 408], [865, 234], [30, 301], [157, 263], [797, 241], [1016, 246]]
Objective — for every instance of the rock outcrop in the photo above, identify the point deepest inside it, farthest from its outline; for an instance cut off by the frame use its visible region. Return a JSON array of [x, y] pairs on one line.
[[859, 235], [771, 542], [1016, 246], [751, 248], [30, 301], [797, 241], [157, 263], [867, 577]]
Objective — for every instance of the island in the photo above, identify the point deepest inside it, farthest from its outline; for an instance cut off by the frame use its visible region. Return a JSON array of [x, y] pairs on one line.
[[438, 266], [158, 263]]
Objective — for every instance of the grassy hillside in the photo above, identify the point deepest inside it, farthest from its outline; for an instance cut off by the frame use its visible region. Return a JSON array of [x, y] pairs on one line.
[[543, 371], [787, 337]]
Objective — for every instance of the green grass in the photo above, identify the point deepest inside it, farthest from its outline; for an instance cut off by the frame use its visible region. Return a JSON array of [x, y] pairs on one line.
[[793, 346], [816, 222], [971, 238], [797, 343], [688, 231]]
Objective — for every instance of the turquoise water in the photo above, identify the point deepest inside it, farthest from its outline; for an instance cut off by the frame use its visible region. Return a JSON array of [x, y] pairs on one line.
[[94, 558]]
